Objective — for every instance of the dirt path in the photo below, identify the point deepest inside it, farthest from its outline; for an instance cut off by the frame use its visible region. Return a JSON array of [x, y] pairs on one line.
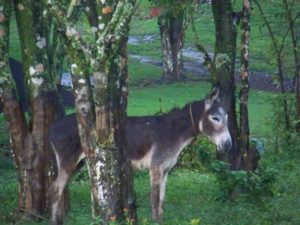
[[257, 80], [193, 63]]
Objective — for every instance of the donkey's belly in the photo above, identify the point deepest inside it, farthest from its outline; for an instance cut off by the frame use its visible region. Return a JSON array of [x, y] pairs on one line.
[[145, 161]]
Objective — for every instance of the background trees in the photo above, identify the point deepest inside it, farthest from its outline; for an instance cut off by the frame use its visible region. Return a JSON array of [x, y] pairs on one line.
[[282, 30], [172, 26]]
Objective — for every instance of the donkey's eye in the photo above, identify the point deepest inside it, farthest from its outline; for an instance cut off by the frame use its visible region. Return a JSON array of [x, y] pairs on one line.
[[216, 119]]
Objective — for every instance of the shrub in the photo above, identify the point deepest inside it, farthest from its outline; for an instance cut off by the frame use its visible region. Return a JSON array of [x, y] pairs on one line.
[[198, 156], [246, 184]]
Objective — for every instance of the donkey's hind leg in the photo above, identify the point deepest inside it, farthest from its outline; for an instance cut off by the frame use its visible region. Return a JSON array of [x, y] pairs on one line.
[[57, 197], [158, 179]]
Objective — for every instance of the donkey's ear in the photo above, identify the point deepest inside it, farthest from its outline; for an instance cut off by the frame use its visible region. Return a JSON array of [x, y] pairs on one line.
[[214, 94]]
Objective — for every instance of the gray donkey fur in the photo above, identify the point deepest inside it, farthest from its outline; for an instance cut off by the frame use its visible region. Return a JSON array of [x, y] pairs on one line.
[[154, 143]]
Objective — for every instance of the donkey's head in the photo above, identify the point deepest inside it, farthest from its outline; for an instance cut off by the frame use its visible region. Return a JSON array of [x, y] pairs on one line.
[[214, 123]]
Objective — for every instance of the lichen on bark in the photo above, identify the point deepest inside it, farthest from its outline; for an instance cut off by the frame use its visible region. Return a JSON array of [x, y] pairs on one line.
[[28, 137], [99, 125]]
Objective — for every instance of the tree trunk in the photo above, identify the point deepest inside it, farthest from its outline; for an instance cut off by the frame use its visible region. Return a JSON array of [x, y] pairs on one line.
[[103, 142], [31, 153], [101, 113], [128, 194], [172, 32], [249, 156], [223, 71], [11, 107]]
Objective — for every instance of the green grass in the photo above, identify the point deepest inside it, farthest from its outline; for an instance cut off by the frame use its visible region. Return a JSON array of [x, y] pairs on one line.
[[138, 73], [260, 111], [189, 195], [146, 100]]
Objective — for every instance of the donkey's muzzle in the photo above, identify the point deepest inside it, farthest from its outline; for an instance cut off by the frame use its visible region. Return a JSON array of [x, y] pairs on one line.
[[225, 146]]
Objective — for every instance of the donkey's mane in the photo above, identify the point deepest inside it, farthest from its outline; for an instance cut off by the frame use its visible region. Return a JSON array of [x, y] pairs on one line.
[[175, 110]]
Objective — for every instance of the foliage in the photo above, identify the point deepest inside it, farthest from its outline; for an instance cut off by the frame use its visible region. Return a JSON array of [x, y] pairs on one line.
[[82, 175], [251, 185], [199, 155]]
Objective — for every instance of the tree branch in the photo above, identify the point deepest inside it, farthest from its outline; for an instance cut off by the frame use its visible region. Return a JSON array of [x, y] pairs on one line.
[[208, 61]]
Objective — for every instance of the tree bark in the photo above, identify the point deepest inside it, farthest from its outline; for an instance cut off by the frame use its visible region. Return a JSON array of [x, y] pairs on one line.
[[31, 153], [249, 156], [128, 194], [172, 32], [244, 123], [12, 108], [101, 113], [223, 71]]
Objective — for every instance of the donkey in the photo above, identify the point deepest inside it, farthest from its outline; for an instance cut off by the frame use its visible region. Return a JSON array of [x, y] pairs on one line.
[[154, 143]]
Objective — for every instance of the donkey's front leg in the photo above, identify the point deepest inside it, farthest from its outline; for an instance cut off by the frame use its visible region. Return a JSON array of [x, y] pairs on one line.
[[158, 179]]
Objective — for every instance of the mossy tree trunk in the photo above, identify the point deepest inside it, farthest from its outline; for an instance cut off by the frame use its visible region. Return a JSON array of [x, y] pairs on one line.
[[172, 32], [30, 150], [223, 71], [101, 111]]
